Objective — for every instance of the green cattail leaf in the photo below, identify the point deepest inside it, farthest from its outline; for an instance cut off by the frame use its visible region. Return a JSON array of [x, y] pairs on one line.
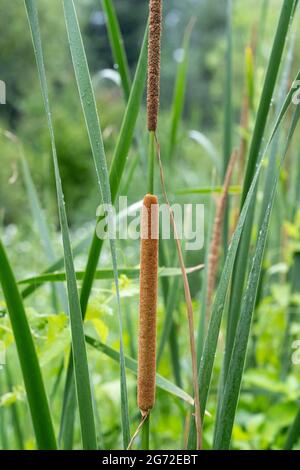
[[34, 386], [241, 264], [83, 387], [93, 127], [131, 273], [230, 395], [268, 90], [211, 340], [210, 190]]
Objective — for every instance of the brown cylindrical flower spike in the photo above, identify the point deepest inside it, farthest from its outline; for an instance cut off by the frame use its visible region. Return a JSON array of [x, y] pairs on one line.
[[148, 304], [154, 44]]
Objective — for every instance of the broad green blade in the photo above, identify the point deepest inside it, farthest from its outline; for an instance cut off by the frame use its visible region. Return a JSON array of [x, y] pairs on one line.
[[117, 45], [131, 364], [83, 386], [34, 386], [132, 273], [230, 395]]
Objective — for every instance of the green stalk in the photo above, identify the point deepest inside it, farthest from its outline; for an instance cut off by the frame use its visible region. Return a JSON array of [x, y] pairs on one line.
[[151, 160], [145, 434]]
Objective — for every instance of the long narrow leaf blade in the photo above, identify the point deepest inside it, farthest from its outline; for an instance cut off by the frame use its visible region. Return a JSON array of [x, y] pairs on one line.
[[35, 390], [210, 346], [233, 381], [83, 386], [94, 131], [241, 264], [131, 273]]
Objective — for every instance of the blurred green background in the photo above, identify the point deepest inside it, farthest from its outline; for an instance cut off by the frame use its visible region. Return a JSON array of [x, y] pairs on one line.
[[203, 110], [268, 404]]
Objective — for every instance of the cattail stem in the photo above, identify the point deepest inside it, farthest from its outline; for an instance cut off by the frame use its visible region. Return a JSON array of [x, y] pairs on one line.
[[146, 433], [154, 45], [148, 304], [151, 160]]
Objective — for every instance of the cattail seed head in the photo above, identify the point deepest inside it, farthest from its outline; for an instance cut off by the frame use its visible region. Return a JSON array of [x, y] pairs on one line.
[[154, 44], [217, 231], [148, 304]]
